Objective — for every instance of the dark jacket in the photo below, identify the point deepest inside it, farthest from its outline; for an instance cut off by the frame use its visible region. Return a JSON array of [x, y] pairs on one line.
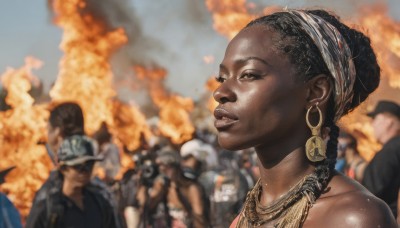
[[56, 210], [382, 175]]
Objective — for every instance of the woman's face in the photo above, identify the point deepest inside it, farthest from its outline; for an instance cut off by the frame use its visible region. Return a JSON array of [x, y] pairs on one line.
[[259, 100]]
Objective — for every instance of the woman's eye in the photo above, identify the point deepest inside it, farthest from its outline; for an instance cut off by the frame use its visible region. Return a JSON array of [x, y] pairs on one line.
[[249, 76], [220, 79]]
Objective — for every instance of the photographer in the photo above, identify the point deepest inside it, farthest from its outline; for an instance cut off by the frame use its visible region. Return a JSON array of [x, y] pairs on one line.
[[167, 200]]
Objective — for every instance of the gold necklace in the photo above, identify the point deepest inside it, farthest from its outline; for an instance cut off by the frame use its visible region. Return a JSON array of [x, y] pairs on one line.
[[288, 211]]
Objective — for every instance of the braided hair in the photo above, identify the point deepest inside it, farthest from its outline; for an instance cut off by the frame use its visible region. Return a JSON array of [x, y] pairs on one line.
[[308, 62]]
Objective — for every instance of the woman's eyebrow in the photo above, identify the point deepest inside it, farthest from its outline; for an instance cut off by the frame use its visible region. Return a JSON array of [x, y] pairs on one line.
[[242, 61]]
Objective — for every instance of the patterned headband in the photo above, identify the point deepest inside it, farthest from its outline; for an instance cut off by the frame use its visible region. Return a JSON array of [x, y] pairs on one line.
[[336, 54]]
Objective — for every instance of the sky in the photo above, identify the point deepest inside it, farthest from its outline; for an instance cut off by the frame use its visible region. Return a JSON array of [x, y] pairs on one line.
[[180, 32]]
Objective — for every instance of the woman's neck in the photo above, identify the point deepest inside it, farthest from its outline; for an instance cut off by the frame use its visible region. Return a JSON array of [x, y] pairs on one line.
[[279, 176]]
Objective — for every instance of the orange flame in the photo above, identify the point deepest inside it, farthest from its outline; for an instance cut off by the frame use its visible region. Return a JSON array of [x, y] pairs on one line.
[[230, 16], [85, 75], [174, 116], [358, 124], [22, 128], [385, 36], [128, 125]]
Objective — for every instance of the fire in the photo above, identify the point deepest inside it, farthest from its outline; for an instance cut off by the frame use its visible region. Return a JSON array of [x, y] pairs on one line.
[[358, 124], [129, 123], [385, 36], [230, 16], [22, 128], [174, 112], [85, 75]]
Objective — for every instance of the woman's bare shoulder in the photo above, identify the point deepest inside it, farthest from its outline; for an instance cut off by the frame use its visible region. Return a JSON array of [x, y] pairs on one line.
[[348, 204]]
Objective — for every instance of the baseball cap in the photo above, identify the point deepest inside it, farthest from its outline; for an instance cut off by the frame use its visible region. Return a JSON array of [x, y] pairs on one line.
[[385, 107], [76, 149], [201, 151]]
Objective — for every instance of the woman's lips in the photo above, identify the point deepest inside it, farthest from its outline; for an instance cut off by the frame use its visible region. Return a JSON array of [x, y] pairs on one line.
[[224, 118]]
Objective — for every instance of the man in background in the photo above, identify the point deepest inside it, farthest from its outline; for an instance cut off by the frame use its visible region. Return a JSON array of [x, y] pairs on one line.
[[66, 119], [382, 175], [71, 201]]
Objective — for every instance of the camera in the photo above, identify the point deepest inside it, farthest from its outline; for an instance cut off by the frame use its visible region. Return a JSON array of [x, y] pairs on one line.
[[147, 167]]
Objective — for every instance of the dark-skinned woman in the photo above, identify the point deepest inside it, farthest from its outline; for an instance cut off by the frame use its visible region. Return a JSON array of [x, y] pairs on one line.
[[285, 80]]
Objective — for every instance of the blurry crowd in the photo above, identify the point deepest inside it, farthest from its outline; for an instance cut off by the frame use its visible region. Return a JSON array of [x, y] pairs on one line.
[[196, 184]]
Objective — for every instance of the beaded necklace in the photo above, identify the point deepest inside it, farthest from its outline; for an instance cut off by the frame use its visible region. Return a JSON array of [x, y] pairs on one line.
[[288, 211]]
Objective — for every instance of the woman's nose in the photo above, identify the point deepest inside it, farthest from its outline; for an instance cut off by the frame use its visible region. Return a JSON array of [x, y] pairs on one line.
[[224, 93]]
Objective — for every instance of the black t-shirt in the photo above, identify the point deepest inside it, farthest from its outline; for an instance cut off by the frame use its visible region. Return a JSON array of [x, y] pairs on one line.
[[382, 175], [96, 213]]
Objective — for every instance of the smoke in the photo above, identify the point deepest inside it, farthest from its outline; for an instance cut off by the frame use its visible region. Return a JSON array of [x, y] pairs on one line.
[[184, 31], [121, 14], [160, 35], [172, 36]]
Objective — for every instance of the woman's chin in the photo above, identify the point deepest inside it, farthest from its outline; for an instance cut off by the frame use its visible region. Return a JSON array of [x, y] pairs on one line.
[[230, 144]]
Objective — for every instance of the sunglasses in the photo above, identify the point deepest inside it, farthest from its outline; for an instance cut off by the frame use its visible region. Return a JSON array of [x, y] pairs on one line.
[[85, 167]]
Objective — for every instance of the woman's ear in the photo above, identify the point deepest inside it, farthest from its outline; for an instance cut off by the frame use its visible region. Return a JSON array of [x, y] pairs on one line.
[[319, 90]]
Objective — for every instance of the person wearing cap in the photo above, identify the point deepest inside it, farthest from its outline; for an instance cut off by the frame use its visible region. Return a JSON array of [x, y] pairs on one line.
[[72, 202], [197, 157], [382, 175], [65, 120]]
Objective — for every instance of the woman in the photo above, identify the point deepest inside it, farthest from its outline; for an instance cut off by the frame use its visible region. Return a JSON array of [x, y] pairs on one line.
[[282, 77]]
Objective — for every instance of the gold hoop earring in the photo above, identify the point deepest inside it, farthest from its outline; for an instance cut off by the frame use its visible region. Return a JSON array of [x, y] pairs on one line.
[[315, 146]]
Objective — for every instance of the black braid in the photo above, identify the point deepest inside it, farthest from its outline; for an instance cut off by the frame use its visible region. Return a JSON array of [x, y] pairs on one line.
[[331, 148]]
